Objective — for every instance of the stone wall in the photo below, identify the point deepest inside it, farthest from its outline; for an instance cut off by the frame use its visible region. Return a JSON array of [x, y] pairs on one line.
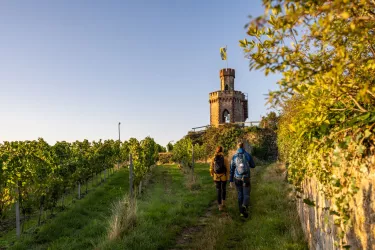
[[227, 79], [233, 101], [214, 113], [318, 223]]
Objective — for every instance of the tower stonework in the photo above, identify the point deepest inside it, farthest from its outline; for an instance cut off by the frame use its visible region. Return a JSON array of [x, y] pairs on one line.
[[227, 79], [227, 105]]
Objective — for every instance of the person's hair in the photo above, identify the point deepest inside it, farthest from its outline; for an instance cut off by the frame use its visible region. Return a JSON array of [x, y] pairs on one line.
[[219, 149], [240, 145]]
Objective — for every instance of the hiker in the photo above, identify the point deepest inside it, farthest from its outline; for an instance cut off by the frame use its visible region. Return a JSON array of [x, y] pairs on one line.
[[219, 170], [240, 174]]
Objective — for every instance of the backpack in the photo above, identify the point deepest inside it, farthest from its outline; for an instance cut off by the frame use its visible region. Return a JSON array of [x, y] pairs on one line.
[[219, 167], [242, 166]]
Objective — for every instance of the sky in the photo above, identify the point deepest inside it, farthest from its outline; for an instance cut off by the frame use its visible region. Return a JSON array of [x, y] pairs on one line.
[[72, 70]]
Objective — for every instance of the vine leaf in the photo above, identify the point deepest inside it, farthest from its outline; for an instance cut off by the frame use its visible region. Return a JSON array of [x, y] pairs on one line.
[[333, 212], [309, 202]]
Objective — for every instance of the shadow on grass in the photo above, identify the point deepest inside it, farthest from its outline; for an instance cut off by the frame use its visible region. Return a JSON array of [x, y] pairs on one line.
[[166, 207], [81, 226], [273, 222]]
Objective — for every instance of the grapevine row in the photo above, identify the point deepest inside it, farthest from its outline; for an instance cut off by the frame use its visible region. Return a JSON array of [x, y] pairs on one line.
[[37, 174]]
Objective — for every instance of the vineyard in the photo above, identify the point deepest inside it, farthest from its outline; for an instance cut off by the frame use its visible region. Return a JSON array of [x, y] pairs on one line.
[[40, 179], [36, 176], [323, 137], [175, 198]]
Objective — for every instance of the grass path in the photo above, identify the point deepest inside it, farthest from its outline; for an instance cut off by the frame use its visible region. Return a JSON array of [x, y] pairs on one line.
[[273, 222], [166, 208]]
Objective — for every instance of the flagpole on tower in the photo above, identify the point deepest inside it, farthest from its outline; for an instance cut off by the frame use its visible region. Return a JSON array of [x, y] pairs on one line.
[[226, 49]]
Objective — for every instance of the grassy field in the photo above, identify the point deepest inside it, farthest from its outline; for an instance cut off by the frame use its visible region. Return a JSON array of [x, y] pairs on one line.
[[174, 213], [82, 225], [273, 222], [8, 235], [168, 206]]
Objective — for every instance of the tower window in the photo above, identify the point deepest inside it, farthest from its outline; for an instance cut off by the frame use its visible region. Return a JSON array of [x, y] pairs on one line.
[[226, 87], [226, 116]]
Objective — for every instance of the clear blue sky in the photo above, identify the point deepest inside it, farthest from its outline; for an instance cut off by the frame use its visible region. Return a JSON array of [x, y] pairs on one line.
[[71, 70]]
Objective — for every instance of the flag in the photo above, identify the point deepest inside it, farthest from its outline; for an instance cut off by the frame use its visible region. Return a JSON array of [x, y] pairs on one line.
[[223, 53]]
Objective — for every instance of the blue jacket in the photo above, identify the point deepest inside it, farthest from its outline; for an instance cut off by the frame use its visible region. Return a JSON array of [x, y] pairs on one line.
[[233, 171]]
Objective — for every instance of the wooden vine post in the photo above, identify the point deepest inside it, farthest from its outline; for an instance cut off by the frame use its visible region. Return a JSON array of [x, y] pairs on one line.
[[131, 179], [18, 223]]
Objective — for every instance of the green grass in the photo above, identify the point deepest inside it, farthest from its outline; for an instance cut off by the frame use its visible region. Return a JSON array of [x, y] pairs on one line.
[[29, 225], [82, 225], [166, 208], [273, 221], [169, 205]]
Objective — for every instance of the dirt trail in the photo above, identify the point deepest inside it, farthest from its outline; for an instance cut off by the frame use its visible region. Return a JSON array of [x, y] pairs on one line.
[[188, 234], [167, 180]]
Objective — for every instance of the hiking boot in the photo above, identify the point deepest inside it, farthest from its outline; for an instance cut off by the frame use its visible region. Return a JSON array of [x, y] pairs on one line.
[[220, 207], [245, 212], [223, 203]]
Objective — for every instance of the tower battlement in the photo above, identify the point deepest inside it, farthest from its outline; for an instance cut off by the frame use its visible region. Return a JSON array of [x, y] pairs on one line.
[[227, 72]]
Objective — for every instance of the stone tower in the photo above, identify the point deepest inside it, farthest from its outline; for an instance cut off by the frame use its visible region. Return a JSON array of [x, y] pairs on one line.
[[227, 105]]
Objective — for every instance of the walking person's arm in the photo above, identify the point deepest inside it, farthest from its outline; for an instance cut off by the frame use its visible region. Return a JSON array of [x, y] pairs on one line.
[[227, 166], [212, 168], [250, 160], [232, 168]]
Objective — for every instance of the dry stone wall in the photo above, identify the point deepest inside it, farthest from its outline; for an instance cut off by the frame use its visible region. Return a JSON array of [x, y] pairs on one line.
[[318, 223]]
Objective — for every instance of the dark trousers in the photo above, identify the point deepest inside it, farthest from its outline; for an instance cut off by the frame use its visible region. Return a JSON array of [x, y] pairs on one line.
[[243, 191], [221, 188]]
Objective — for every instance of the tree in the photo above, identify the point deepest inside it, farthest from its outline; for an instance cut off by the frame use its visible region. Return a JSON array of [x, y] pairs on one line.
[[182, 152], [170, 147], [138, 159], [270, 121], [325, 53], [226, 136], [150, 152], [161, 149], [124, 151]]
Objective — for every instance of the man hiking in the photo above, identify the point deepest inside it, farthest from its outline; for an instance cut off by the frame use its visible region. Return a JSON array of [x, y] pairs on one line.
[[219, 170], [240, 174]]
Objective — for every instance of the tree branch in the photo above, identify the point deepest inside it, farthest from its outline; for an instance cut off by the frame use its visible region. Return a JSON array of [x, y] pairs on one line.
[[357, 104], [372, 94], [338, 109], [372, 50]]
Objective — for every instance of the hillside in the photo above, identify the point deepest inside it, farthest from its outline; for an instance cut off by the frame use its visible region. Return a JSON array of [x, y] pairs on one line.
[[174, 213]]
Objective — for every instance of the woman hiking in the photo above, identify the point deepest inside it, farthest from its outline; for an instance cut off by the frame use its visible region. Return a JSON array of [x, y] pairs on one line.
[[219, 170]]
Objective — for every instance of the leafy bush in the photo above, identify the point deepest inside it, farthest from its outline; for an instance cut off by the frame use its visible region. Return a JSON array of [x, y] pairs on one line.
[[263, 142], [182, 152], [165, 158], [327, 90], [226, 136], [169, 147]]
